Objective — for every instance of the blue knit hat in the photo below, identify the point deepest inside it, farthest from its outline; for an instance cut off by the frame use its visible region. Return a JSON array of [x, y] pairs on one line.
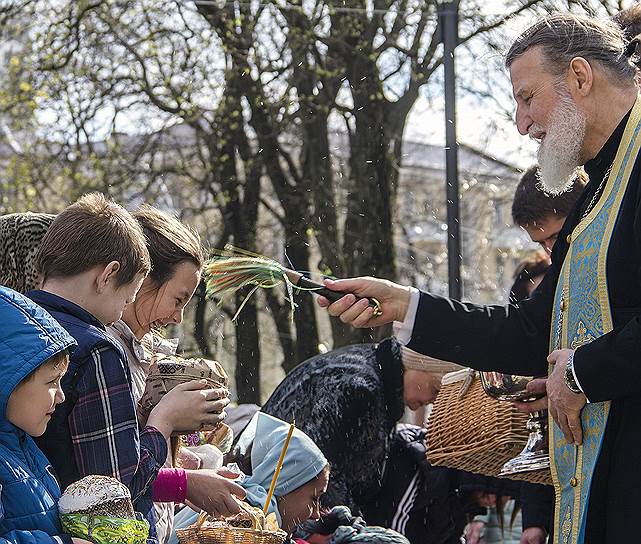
[[303, 461]]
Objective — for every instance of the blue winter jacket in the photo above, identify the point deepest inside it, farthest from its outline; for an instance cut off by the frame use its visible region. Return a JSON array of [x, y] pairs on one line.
[[28, 492]]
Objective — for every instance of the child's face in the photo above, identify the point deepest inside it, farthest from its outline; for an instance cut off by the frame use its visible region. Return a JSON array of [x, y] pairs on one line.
[[303, 503], [33, 401], [160, 305], [115, 298]]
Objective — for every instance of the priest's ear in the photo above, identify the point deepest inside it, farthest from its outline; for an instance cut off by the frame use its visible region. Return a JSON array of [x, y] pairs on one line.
[[580, 77]]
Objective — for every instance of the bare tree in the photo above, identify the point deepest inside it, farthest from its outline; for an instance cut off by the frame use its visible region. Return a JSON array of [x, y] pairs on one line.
[[232, 108]]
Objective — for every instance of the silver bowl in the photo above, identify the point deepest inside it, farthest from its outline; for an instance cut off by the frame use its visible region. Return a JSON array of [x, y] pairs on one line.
[[535, 454]]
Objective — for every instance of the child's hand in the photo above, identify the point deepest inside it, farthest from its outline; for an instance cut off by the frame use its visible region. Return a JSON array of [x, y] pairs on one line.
[[188, 459], [189, 407]]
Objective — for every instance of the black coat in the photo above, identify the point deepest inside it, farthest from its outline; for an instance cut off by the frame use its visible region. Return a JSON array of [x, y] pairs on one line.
[[347, 401], [515, 339], [417, 499]]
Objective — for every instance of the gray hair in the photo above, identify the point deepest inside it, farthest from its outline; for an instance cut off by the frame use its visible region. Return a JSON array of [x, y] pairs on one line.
[[564, 36]]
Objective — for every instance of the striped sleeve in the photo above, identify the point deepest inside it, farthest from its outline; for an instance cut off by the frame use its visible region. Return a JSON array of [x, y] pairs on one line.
[[405, 505]]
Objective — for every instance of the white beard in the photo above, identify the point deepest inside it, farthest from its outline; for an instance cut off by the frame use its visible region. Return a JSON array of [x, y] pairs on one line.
[[559, 152]]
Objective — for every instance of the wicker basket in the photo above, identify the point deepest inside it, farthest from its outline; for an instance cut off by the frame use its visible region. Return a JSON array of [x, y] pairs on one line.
[[228, 535], [471, 431]]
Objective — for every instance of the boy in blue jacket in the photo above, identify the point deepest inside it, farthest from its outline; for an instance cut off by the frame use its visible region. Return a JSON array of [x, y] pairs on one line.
[[33, 358]]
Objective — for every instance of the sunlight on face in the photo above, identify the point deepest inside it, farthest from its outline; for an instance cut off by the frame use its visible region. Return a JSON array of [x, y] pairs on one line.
[[420, 388], [303, 503], [33, 401], [157, 306], [548, 114]]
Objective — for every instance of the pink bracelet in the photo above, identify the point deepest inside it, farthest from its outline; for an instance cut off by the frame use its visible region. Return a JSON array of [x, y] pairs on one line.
[[170, 485]]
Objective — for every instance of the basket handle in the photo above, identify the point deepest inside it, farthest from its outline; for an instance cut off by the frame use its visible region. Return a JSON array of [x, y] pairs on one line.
[[467, 383]]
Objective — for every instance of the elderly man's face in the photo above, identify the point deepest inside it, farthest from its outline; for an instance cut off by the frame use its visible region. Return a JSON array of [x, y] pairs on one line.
[[547, 113], [534, 93]]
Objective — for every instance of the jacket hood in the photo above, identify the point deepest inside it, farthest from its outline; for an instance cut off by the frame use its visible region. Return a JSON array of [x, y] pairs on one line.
[[29, 336]]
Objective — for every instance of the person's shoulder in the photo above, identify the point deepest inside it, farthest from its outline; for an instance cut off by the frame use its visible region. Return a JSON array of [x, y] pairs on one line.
[[95, 346], [90, 337], [10, 466]]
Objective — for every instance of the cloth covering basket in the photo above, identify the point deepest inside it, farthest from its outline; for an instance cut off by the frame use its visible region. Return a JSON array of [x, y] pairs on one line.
[[166, 372], [469, 430], [229, 535]]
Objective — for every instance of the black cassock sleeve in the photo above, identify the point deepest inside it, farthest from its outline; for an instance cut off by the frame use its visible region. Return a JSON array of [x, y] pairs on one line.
[[513, 338]]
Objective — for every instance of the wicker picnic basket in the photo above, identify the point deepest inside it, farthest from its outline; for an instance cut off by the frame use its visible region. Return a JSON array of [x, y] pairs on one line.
[[229, 535], [469, 430]]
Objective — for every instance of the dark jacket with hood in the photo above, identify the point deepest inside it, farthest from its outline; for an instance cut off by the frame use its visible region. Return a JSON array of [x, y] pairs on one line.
[[416, 499], [29, 494], [347, 401]]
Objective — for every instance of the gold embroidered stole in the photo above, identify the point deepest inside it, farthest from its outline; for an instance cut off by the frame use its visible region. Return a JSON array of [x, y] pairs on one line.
[[581, 313]]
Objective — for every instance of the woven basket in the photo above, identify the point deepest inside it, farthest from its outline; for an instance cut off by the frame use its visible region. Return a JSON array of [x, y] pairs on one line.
[[469, 430], [229, 535]]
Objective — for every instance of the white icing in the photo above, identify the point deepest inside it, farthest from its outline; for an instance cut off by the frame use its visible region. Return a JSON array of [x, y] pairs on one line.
[[91, 491]]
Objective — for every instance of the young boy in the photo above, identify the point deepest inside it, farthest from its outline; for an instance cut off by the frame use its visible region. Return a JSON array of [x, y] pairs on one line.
[[93, 260], [33, 358]]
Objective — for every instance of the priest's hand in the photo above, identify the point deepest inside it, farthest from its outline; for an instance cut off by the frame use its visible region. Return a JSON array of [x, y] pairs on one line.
[[538, 386], [394, 301], [565, 406]]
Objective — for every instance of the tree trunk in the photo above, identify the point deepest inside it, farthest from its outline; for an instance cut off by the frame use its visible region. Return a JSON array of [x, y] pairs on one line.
[[281, 315], [369, 242], [297, 247], [247, 352], [200, 321], [295, 203]]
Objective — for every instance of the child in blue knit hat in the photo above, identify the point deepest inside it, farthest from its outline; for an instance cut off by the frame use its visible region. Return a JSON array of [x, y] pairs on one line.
[[302, 480]]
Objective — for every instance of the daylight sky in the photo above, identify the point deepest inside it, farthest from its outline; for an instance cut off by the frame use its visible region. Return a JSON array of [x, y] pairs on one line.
[[482, 122], [483, 128]]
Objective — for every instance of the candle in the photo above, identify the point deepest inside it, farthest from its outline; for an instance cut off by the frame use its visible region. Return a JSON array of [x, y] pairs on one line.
[[279, 465]]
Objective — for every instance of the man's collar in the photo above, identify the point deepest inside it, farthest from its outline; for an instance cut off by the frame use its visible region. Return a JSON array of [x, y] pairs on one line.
[[605, 157], [56, 303]]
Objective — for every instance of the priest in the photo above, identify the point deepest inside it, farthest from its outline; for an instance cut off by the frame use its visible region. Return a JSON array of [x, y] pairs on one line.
[[574, 84]]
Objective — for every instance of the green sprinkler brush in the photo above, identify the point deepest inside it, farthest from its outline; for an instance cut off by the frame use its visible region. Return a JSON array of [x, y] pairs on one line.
[[232, 269]]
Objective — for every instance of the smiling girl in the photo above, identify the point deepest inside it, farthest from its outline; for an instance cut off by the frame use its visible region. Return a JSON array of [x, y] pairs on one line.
[[177, 260]]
